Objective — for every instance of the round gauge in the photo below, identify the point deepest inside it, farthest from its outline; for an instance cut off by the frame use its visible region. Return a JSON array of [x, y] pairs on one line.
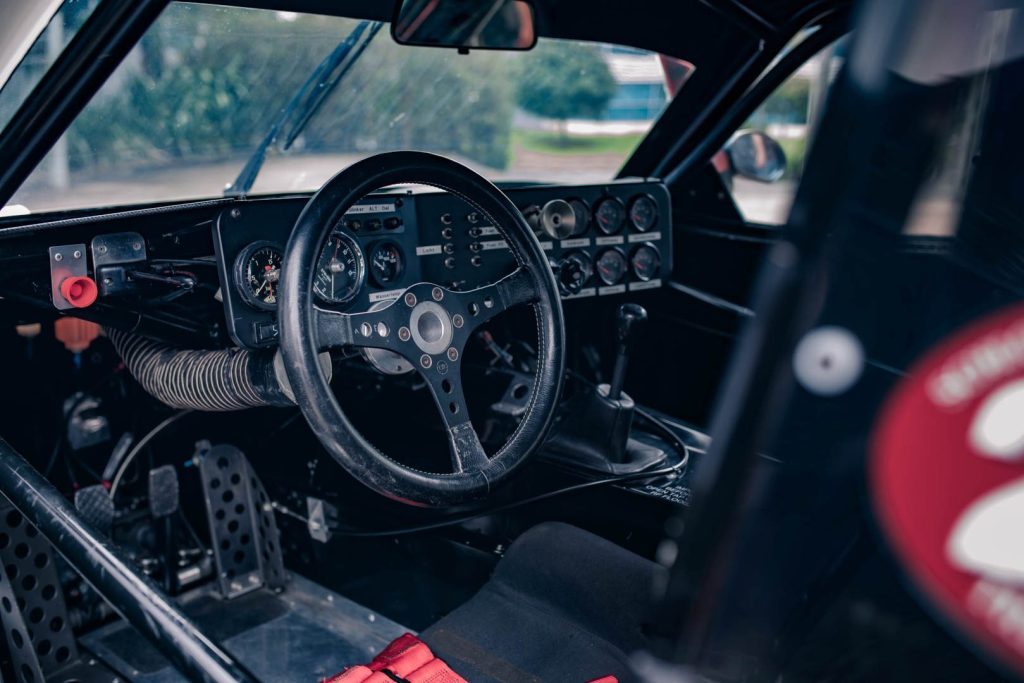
[[611, 266], [646, 262], [386, 263], [340, 272], [643, 212], [609, 214], [257, 274], [582, 213]]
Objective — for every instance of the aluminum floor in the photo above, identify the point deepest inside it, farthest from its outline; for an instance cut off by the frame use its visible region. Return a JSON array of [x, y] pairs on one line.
[[302, 634]]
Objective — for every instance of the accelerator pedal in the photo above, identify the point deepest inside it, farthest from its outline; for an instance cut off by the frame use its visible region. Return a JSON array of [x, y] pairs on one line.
[[243, 531]]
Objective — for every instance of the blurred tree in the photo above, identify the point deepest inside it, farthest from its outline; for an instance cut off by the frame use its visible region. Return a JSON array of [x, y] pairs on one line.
[[564, 80], [206, 82]]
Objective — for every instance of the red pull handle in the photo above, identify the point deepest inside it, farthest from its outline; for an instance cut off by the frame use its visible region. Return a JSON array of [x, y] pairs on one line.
[[80, 291]]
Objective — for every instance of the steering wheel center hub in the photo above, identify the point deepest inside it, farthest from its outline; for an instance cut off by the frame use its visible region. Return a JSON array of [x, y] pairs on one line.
[[431, 328]]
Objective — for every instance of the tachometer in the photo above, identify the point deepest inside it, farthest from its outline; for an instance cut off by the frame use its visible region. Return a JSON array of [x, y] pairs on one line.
[[340, 272], [610, 214], [257, 273], [611, 266], [643, 212], [386, 263], [646, 262]]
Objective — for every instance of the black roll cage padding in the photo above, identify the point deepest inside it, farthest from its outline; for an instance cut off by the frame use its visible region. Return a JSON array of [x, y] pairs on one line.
[[137, 599], [751, 402]]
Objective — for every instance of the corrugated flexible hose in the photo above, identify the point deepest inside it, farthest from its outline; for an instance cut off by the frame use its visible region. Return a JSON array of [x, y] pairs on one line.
[[210, 380]]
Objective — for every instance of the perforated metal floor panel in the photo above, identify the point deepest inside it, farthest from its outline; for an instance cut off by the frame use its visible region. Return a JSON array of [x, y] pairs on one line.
[[302, 634]]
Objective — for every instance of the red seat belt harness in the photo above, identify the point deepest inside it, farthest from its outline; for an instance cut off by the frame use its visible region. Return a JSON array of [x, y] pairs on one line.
[[408, 660]]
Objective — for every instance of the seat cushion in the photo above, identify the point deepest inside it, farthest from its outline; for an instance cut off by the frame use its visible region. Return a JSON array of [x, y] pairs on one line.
[[563, 605]]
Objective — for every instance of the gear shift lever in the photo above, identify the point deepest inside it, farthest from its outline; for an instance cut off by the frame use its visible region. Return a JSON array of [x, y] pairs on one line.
[[628, 319], [595, 428]]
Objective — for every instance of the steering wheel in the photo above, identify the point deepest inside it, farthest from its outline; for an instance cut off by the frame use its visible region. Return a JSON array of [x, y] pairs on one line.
[[429, 325]]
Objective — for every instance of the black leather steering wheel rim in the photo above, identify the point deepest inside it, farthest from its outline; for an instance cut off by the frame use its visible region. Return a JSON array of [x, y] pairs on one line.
[[306, 329]]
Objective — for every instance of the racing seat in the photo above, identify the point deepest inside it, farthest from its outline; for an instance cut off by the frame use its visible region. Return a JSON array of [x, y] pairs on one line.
[[563, 605]]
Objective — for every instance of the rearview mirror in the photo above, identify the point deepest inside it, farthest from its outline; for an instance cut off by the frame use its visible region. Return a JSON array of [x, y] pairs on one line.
[[464, 24], [757, 156]]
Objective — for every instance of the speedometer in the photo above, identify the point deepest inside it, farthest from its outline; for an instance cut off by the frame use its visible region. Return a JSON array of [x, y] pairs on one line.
[[340, 272]]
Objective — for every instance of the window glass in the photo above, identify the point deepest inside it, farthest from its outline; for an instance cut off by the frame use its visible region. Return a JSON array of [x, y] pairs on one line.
[[54, 38], [182, 114], [789, 116]]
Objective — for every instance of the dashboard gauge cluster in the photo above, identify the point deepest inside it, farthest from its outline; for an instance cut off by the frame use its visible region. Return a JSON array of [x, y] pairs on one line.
[[617, 244], [601, 240], [368, 258]]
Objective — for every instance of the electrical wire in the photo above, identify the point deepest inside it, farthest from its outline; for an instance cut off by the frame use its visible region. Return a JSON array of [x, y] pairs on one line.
[[142, 443], [671, 471]]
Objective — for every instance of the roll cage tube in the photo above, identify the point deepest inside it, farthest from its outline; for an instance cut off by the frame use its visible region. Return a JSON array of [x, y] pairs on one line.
[[869, 97]]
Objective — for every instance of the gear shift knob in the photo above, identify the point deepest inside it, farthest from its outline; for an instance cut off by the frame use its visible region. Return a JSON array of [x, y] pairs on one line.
[[628, 318]]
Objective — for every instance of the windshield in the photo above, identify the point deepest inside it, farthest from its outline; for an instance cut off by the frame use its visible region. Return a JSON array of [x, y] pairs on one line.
[[182, 115]]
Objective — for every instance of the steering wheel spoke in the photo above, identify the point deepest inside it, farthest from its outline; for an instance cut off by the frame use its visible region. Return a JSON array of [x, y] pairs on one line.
[[445, 384], [372, 329], [485, 303]]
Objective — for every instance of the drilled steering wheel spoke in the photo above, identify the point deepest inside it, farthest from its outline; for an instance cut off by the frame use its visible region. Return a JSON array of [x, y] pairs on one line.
[[445, 384], [485, 303], [372, 329]]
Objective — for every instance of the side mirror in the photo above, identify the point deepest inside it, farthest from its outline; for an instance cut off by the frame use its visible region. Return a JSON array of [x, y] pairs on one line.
[[755, 155], [464, 24]]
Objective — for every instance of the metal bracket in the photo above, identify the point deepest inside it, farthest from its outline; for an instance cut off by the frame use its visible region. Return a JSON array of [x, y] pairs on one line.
[[65, 261], [246, 541], [320, 517], [32, 607], [110, 251]]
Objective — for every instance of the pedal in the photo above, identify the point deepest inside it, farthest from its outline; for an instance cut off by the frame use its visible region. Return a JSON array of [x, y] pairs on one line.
[[96, 507], [163, 491], [34, 616], [246, 541]]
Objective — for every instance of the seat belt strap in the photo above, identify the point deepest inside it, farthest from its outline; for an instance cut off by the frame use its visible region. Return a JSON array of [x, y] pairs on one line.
[[408, 660]]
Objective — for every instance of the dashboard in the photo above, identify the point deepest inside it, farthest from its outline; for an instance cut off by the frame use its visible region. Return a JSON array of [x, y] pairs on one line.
[[601, 240]]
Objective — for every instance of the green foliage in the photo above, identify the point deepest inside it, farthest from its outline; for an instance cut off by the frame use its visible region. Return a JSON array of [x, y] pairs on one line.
[[796, 155], [788, 104], [207, 82], [563, 81]]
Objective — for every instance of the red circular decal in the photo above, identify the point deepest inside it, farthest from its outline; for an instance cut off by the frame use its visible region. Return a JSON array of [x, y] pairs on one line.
[[947, 479]]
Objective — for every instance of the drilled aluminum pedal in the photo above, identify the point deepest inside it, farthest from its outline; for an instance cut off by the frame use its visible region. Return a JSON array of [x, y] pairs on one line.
[[246, 541]]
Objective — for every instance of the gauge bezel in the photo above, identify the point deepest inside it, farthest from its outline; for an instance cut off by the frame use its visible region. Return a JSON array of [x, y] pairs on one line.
[[579, 229], [241, 280], [625, 271], [629, 211], [596, 209], [633, 252], [372, 249], [357, 249]]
